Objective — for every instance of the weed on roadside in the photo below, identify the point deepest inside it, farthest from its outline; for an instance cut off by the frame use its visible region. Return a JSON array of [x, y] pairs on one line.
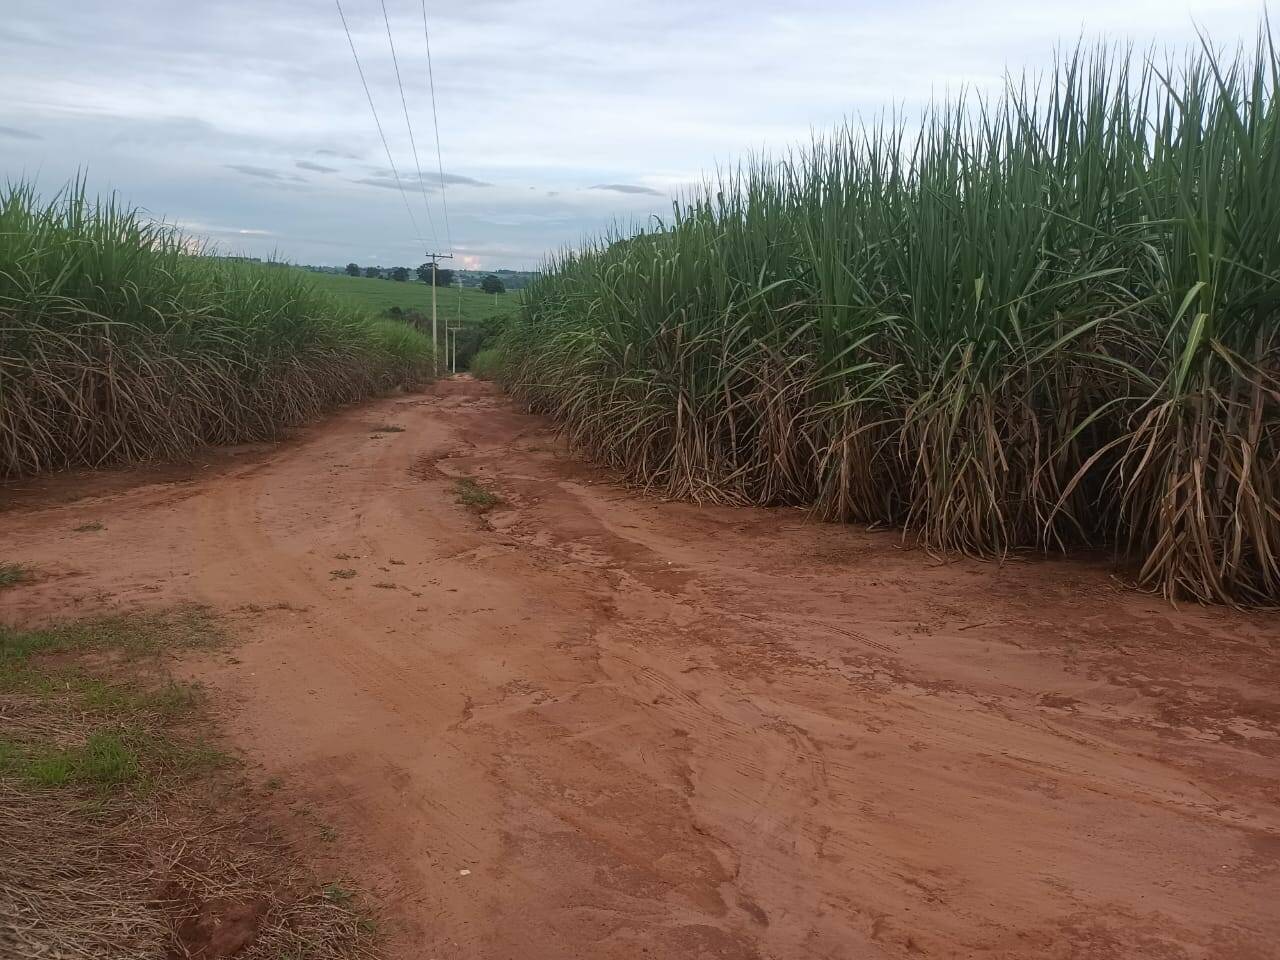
[[475, 497], [336, 893], [12, 574]]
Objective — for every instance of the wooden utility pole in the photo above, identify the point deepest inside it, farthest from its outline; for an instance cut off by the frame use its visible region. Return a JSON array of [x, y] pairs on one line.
[[435, 342]]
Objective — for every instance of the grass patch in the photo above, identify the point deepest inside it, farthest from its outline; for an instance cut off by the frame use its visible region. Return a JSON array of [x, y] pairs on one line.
[[132, 635], [12, 574], [475, 497], [105, 759], [346, 573], [388, 428], [121, 828], [92, 706], [90, 527]]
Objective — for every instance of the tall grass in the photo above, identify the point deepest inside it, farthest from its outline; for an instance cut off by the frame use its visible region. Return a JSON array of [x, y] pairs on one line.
[[1044, 320], [117, 343]]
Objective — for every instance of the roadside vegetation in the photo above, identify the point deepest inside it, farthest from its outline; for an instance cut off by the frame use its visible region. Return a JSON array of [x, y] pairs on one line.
[[118, 343], [12, 574], [1047, 320], [122, 832], [486, 363], [475, 497]]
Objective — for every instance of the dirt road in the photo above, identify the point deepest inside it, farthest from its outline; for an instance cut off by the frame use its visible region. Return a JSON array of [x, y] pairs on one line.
[[653, 730]]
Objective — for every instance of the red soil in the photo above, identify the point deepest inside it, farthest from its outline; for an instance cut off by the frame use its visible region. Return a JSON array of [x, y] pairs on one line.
[[653, 729]]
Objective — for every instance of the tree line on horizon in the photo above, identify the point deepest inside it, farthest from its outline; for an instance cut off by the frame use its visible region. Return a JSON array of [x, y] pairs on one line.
[[441, 276]]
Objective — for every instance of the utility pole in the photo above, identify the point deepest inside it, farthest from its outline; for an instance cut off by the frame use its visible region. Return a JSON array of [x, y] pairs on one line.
[[435, 342], [454, 361]]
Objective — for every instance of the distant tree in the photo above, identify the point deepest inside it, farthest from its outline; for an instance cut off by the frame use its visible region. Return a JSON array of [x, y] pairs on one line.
[[444, 278], [353, 269], [400, 274], [492, 284], [372, 272]]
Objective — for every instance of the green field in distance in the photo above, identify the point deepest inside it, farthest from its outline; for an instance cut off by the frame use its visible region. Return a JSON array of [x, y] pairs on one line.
[[380, 295]]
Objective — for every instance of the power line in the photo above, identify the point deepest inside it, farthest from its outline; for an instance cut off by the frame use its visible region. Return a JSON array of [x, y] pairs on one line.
[[435, 119], [404, 104], [394, 172]]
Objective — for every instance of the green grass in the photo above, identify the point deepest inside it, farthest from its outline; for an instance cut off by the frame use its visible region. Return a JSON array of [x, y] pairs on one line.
[[475, 497], [97, 725], [105, 759], [110, 785], [118, 344], [336, 893], [134, 635], [12, 574], [1046, 320], [486, 364], [380, 295]]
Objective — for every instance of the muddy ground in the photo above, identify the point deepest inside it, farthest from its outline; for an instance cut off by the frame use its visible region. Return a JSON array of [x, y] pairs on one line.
[[587, 723]]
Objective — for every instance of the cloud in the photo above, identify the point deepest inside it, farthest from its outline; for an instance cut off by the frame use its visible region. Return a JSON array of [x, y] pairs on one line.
[[389, 182], [629, 188], [541, 92], [461, 180], [387, 179], [17, 134], [249, 170], [315, 167]]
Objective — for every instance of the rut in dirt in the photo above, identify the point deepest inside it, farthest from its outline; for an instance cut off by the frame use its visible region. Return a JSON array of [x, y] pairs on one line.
[[582, 722]]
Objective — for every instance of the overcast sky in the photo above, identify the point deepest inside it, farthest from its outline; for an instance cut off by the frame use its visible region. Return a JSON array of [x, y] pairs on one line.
[[245, 121]]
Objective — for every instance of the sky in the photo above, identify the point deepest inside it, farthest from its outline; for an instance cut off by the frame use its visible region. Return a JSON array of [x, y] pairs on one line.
[[245, 123]]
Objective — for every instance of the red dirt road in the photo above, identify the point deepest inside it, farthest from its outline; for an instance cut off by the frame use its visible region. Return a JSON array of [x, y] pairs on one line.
[[654, 730]]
